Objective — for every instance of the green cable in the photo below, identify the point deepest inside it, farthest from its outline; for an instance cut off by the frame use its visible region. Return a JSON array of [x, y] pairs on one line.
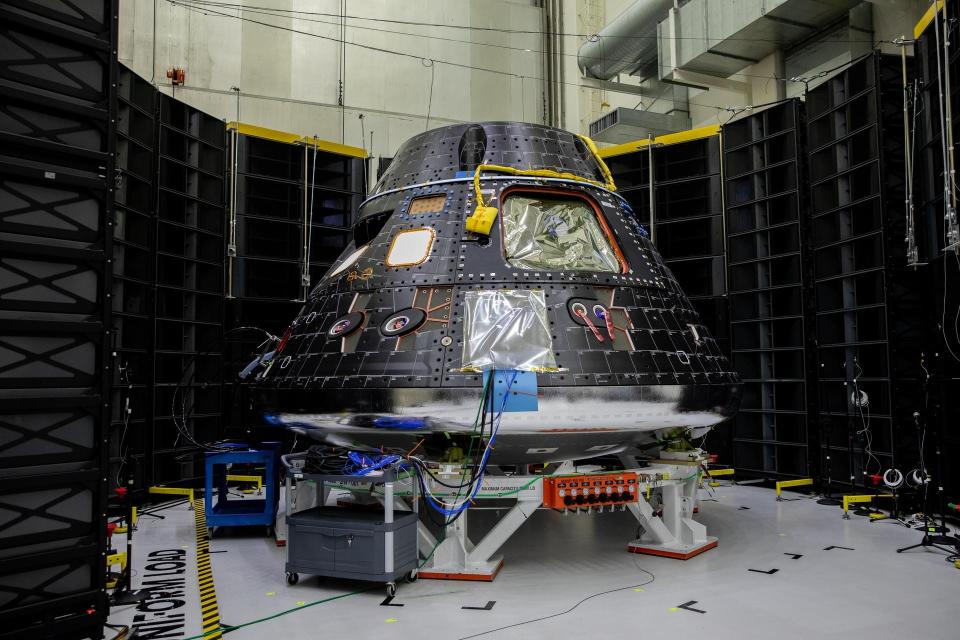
[[228, 629], [353, 593], [476, 424]]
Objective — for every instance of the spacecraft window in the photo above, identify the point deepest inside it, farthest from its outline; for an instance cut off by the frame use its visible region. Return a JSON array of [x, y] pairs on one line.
[[410, 247], [555, 230], [427, 204], [348, 261]]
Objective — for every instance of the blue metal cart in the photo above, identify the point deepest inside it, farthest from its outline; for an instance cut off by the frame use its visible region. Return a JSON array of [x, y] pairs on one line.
[[222, 512]]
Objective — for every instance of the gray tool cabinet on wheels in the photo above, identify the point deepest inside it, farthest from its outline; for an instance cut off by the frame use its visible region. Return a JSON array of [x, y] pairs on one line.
[[360, 543]]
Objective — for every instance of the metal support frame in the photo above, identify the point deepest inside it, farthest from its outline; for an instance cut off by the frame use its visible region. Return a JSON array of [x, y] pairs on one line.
[[860, 499], [674, 534], [457, 558], [246, 479], [309, 178], [669, 530], [232, 213], [665, 512], [783, 484]]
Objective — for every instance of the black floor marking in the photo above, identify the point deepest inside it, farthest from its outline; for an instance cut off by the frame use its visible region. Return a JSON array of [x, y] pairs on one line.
[[769, 573], [709, 500], [833, 546], [388, 602], [486, 607], [794, 556], [686, 605], [744, 508]]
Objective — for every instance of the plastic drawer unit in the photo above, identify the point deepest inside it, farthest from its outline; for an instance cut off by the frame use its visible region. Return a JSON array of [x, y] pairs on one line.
[[340, 542]]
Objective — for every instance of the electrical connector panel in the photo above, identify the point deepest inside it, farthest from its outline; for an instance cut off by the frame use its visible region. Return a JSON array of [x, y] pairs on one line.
[[594, 490]]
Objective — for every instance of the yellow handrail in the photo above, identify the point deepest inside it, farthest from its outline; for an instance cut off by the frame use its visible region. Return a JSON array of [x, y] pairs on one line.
[[611, 185], [483, 216]]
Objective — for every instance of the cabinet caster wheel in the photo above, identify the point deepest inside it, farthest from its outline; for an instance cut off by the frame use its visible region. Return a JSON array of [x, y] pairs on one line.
[[293, 578], [412, 576], [391, 589]]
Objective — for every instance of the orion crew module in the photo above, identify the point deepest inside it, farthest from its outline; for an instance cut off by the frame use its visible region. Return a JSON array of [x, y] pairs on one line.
[[501, 247]]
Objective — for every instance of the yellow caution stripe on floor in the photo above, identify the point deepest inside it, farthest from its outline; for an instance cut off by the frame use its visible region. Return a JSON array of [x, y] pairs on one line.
[[209, 611]]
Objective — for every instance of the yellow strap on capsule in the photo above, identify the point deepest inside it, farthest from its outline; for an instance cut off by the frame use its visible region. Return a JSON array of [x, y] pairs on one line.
[[611, 185], [483, 216]]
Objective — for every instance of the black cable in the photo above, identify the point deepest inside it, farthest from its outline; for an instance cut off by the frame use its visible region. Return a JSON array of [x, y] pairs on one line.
[[422, 466], [163, 506], [185, 380], [201, 6], [323, 459], [278, 12], [562, 613], [476, 438], [123, 631], [487, 403], [187, 5]]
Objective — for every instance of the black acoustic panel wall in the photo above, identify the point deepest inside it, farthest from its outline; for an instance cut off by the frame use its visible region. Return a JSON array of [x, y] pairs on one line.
[[281, 189], [57, 156], [294, 214], [770, 323], [171, 240], [134, 278], [870, 307], [932, 72], [187, 325], [942, 417], [688, 220], [241, 346], [631, 172], [941, 267], [687, 227]]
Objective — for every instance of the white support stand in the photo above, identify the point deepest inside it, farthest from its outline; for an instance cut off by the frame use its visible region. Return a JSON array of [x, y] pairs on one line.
[[675, 534], [667, 492], [457, 558]]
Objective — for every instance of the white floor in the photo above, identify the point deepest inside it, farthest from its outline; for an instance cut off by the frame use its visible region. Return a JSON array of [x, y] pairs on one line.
[[571, 577]]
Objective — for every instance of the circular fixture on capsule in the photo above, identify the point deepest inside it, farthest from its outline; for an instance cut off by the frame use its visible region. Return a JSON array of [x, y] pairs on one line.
[[345, 325], [580, 308], [402, 322]]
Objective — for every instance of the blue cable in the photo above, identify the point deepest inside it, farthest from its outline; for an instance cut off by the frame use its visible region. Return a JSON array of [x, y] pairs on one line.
[[365, 464], [483, 461]]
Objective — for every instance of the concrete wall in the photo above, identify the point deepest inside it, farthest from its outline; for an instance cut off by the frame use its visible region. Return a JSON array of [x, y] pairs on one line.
[[289, 75], [890, 19], [289, 78]]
